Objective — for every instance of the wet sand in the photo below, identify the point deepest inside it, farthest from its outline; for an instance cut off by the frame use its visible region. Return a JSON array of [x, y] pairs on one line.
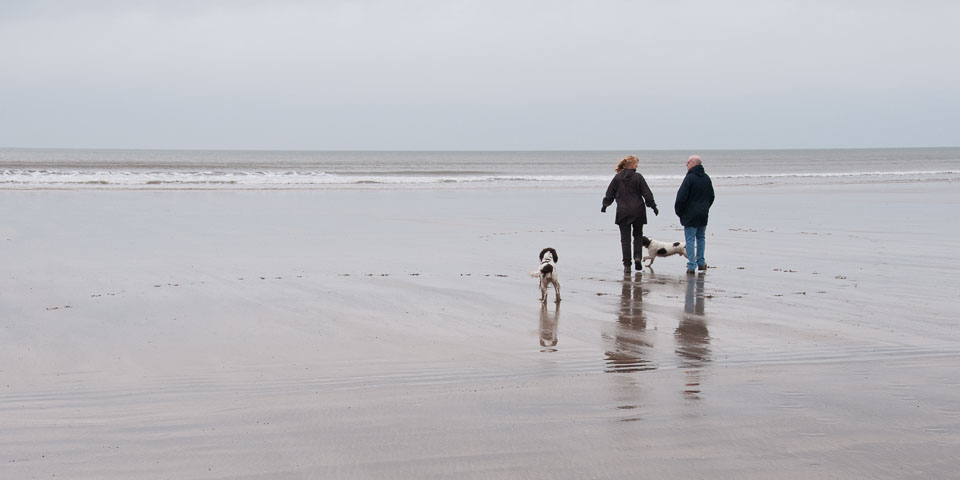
[[398, 334]]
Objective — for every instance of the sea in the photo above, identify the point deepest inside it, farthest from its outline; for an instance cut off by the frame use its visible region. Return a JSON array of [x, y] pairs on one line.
[[39, 169]]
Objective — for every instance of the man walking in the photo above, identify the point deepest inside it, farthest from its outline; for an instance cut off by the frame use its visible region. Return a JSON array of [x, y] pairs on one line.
[[693, 206]]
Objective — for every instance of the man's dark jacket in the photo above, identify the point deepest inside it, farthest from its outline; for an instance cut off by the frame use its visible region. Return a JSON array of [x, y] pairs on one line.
[[629, 189], [694, 198]]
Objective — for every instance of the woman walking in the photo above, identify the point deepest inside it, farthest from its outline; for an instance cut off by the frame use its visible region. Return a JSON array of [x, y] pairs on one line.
[[629, 189]]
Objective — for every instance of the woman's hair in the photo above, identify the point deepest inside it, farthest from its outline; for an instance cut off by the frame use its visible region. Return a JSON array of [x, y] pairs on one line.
[[627, 161]]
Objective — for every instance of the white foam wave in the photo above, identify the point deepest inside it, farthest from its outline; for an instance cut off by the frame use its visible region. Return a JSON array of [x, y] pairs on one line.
[[841, 174], [53, 178], [42, 178]]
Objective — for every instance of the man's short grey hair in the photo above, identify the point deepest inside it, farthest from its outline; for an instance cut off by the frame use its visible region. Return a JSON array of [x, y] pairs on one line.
[[695, 159]]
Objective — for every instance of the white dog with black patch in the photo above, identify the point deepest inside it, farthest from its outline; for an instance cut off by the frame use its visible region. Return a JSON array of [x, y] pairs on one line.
[[656, 248], [548, 273]]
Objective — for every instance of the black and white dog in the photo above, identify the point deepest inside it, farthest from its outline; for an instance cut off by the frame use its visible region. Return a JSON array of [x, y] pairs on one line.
[[548, 273], [657, 248]]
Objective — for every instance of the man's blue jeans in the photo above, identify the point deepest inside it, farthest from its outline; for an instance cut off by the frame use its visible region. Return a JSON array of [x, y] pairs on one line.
[[695, 255]]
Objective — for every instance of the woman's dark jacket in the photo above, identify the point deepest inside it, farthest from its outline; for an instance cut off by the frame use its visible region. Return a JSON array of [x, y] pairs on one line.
[[630, 190], [694, 198]]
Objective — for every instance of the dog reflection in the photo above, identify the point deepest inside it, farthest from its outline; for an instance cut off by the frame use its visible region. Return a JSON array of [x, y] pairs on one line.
[[548, 328], [630, 342], [692, 337]]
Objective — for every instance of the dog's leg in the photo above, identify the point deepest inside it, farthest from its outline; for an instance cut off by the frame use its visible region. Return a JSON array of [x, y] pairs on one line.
[[556, 289], [543, 291]]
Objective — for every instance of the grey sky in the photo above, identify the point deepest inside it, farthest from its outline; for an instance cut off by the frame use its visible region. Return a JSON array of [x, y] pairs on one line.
[[491, 74]]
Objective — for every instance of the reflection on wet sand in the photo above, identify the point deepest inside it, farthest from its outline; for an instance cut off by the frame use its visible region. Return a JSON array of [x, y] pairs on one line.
[[548, 328], [693, 338], [630, 342]]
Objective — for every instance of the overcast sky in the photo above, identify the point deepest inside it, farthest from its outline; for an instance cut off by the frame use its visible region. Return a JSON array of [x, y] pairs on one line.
[[485, 74]]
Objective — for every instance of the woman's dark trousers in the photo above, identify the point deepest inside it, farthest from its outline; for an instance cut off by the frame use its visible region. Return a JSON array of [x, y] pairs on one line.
[[631, 232]]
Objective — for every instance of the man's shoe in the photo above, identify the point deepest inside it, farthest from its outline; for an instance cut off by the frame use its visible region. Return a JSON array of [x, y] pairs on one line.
[[638, 266], [626, 268], [691, 272], [702, 267]]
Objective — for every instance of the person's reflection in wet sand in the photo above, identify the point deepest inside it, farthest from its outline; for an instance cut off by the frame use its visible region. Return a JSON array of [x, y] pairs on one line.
[[548, 328], [630, 342], [693, 338]]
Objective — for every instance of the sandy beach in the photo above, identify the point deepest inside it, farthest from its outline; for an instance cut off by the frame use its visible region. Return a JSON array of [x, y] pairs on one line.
[[357, 334]]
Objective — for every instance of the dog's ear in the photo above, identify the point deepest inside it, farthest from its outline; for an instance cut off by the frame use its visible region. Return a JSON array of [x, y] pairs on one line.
[[542, 252], [556, 258], [645, 241]]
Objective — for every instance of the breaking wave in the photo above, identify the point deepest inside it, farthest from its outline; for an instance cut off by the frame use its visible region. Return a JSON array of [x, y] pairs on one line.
[[278, 179]]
